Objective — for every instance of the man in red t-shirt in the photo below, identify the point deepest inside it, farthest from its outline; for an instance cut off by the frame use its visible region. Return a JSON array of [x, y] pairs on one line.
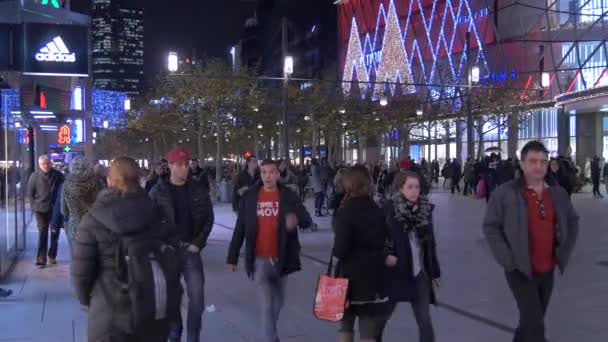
[[531, 227], [268, 219]]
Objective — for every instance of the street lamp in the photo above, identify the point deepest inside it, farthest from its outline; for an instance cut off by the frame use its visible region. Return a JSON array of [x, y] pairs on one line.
[[545, 79], [475, 74], [127, 104], [172, 62], [419, 112], [287, 71], [383, 101]]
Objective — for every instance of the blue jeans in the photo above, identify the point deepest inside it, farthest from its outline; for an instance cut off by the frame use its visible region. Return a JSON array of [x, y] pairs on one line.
[[271, 293], [194, 276]]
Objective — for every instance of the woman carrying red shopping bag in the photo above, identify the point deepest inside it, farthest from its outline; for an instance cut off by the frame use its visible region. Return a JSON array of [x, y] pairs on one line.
[[360, 240]]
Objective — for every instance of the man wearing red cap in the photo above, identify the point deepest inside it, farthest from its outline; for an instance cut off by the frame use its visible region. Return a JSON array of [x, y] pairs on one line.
[[186, 207]]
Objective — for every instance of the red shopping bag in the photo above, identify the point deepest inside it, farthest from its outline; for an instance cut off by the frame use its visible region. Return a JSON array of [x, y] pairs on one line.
[[331, 297]]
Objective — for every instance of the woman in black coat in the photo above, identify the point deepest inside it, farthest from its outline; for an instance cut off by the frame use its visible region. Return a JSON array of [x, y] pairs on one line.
[[360, 239], [414, 268]]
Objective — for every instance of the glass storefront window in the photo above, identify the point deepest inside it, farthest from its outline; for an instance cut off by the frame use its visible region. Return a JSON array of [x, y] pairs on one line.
[[13, 177]]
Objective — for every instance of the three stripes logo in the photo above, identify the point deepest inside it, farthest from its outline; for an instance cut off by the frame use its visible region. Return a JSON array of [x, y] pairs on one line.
[[55, 51]]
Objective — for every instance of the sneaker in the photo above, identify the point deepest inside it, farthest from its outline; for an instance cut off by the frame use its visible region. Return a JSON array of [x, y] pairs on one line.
[[53, 261], [5, 293]]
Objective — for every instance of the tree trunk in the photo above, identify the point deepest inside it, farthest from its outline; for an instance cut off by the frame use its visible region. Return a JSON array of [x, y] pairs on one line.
[[218, 150], [430, 140], [201, 146], [480, 145]]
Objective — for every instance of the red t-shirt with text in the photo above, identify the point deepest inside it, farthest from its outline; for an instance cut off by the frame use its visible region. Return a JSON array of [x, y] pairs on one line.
[[267, 241]]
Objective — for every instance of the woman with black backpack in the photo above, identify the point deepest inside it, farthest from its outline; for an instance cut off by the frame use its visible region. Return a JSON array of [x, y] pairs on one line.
[[100, 267]]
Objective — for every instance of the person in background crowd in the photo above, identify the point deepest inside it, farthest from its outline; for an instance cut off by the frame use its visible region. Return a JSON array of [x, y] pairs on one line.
[[456, 173], [287, 178], [529, 247], [101, 173], [317, 185], [248, 178], [359, 244], [338, 195], [268, 220], [198, 174], [414, 267], [42, 190], [78, 194], [5, 293], [302, 175], [596, 170], [446, 171], [122, 208], [406, 164], [186, 207], [381, 181], [556, 175], [469, 185], [435, 171], [161, 171], [376, 171]]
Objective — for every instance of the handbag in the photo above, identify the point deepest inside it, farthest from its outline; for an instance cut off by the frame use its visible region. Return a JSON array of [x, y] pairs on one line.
[[331, 296]]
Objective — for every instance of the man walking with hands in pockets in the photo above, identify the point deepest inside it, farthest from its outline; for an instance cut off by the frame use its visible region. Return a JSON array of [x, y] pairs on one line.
[[531, 227], [268, 221]]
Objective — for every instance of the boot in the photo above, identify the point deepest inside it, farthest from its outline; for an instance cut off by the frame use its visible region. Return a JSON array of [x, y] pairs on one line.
[[346, 337], [41, 261]]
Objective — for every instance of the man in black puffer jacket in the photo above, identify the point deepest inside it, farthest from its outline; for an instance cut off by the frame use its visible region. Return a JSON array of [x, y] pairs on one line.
[[186, 207]]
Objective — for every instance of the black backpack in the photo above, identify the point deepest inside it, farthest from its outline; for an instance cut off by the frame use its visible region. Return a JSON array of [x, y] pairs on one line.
[[147, 283]]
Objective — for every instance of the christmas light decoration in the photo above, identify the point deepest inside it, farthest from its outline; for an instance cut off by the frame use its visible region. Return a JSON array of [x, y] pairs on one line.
[[402, 48], [108, 106], [394, 66], [354, 61]]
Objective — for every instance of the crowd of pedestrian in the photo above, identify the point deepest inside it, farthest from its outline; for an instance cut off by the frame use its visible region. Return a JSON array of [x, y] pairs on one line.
[[126, 266]]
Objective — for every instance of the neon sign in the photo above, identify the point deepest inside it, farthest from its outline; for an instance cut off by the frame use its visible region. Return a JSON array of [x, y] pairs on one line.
[[64, 135], [54, 3]]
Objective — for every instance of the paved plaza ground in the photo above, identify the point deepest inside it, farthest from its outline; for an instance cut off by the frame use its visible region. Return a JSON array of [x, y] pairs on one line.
[[475, 304]]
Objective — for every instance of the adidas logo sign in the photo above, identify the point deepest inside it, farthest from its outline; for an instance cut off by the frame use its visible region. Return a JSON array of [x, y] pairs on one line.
[[55, 51]]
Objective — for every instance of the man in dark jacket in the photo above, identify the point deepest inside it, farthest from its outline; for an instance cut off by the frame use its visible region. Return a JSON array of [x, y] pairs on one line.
[[246, 179], [268, 220], [42, 191], [531, 228], [198, 174], [186, 207]]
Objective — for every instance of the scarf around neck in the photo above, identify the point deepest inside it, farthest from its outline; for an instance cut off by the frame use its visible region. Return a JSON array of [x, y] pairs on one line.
[[415, 215]]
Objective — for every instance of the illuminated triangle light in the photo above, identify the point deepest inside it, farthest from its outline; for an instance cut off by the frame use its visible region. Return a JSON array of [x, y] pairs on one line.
[[354, 62], [394, 65]]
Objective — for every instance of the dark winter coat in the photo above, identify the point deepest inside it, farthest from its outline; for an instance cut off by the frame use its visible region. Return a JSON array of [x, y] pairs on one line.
[[40, 189], [201, 209], [402, 278], [244, 179], [246, 230], [78, 195], [596, 170], [361, 234], [93, 266]]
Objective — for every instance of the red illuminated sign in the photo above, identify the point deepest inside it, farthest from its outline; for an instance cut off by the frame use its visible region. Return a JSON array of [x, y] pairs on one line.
[[64, 135]]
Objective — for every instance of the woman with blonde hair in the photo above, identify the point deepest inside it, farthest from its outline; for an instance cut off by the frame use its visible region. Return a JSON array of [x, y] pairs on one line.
[[360, 237], [123, 208]]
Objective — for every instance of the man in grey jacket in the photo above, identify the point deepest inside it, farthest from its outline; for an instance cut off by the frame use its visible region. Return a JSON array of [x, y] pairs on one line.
[[531, 227], [41, 190]]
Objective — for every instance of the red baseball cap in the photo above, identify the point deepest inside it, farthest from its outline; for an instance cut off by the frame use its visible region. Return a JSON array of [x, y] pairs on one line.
[[178, 154]]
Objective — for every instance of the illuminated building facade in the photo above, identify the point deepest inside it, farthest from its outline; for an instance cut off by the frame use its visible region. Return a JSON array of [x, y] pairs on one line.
[[118, 45], [424, 45]]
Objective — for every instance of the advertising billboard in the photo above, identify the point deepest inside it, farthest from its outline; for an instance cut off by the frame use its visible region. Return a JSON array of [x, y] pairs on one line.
[[56, 50]]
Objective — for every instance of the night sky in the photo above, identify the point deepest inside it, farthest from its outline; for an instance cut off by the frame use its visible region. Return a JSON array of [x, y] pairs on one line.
[[181, 25]]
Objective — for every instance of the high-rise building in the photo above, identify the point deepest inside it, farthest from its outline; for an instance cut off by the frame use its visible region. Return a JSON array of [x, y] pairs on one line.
[[118, 45]]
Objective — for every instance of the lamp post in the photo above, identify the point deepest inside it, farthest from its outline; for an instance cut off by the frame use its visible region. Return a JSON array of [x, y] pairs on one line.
[[172, 62], [287, 71]]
